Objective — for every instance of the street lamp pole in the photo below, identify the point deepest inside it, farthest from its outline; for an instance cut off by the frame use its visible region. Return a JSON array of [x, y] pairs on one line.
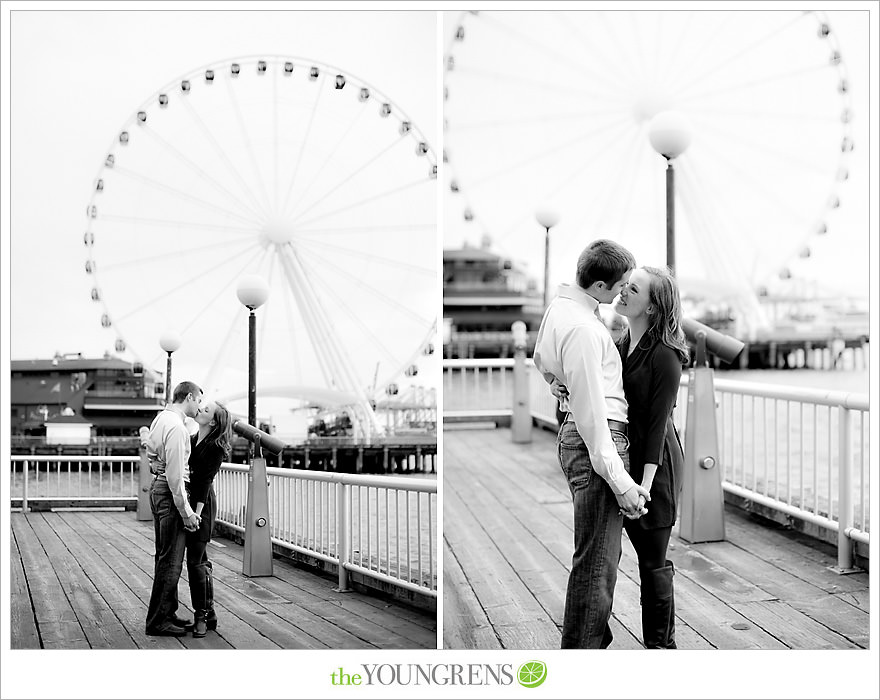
[[670, 134], [169, 342], [547, 218], [252, 292]]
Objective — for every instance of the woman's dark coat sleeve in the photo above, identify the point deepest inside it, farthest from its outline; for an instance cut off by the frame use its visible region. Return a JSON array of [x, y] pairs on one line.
[[665, 380]]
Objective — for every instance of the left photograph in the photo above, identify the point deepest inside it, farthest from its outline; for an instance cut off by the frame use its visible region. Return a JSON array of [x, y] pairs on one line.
[[223, 316]]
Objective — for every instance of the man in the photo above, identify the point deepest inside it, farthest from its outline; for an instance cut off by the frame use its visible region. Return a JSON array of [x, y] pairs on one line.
[[575, 348], [168, 447]]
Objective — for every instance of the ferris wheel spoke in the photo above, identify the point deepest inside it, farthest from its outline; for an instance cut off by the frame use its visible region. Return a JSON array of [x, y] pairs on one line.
[[665, 68], [390, 262], [532, 158], [373, 159], [630, 191], [291, 325], [302, 146], [576, 94], [769, 150], [184, 285], [778, 77], [583, 40], [261, 347], [698, 52], [205, 177], [771, 35], [171, 254], [308, 322], [344, 230], [213, 207], [232, 333], [343, 364], [614, 182], [246, 138], [766, 193], [368, 200], [767, 114], [329, 158], [705, 201], [626, 64], [363, 286], [344, 307], [275, 147], [541, 119], [585, 164], [178, 224], [555, 57]]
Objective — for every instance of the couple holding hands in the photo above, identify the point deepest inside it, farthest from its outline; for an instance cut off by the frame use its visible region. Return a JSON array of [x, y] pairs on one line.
[[617, 446], [183, 503]]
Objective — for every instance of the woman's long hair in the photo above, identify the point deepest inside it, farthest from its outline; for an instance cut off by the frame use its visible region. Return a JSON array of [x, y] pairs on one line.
[[221, 433], [665, 322]]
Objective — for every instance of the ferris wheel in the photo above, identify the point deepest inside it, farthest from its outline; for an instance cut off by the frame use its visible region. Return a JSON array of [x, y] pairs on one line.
[[546, 108], [290, 169]]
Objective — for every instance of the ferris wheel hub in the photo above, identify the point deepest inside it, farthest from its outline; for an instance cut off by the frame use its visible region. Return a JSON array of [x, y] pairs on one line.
[[278, 232], [649, 103]]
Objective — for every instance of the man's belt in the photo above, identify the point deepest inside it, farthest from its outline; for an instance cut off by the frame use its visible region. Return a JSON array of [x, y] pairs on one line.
[[617, 425]]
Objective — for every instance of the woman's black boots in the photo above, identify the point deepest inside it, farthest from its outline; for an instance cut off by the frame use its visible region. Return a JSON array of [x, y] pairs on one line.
[[658, 607]]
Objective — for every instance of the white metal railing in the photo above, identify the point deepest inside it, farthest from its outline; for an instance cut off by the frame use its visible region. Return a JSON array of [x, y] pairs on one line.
[[66, 478], [803, 452], [383, 527]]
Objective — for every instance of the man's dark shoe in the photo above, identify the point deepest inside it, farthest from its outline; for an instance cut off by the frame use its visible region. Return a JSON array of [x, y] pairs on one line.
[[179, 621], [166, 629]]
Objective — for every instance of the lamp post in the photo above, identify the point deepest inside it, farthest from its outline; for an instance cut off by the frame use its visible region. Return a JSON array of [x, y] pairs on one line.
[[252, 291], [169, 342], [548, 218], [670, 134]]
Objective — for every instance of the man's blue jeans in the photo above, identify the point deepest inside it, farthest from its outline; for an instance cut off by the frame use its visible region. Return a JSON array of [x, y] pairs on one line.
[[170, 547], [597, 529]]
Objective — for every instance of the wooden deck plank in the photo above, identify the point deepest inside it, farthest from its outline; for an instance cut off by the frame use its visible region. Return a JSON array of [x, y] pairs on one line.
[[232, 602], [793, 628], [807, 598], [23, 627], [519, 621], [792, 551], [114, 552], [125, 603], [56, 621], [500, 499], [465, 624]]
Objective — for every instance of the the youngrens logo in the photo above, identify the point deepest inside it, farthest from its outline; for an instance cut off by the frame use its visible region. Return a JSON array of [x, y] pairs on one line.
[[531, 674]]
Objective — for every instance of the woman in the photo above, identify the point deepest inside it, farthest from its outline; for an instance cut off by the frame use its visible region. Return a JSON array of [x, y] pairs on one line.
[[210, 447], [653, 350]]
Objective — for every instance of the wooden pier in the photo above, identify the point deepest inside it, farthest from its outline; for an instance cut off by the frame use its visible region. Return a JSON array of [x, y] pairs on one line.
[[81, 580], [507, 553]]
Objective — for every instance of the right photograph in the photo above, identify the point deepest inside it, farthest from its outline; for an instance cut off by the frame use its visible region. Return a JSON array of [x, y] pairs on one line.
[[656, 330]]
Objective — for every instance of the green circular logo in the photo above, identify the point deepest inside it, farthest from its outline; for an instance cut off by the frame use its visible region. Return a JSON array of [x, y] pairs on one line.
[[531, 674]]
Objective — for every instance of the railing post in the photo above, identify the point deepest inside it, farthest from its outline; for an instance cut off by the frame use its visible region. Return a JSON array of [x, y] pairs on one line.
[[24, 493], [144, 510], [342, 541], [844, 493], [521, 421]]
